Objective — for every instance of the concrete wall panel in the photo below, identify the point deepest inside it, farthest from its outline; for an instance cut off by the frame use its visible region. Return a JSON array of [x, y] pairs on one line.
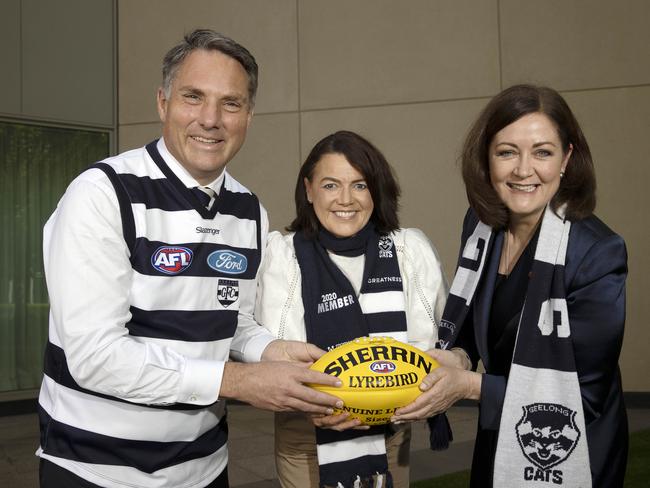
[[573, 45], [374, 52], [67, 49], [615, 122], [267, 29], [10, 81]]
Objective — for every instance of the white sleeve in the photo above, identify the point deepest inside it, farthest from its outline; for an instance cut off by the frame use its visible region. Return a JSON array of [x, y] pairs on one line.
[[250, 339], [89, 278], [425, 286], [279, 305]]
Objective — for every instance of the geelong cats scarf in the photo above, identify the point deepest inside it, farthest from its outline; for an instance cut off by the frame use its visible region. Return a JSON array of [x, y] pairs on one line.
[[542, 438], [335, 315]]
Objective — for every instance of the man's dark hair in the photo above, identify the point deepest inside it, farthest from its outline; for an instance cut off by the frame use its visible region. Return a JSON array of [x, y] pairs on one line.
[[209, 40]]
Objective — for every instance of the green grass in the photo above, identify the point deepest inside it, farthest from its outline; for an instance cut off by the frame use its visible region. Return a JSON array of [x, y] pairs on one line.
[[453, 480], [638, 468], [636, 475]]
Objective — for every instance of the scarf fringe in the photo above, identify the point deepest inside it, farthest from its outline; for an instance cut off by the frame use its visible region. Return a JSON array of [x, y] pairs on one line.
[[378, 480], [440, 434]]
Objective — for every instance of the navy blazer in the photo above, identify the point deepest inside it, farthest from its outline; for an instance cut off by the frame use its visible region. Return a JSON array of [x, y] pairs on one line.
[[595, 272]]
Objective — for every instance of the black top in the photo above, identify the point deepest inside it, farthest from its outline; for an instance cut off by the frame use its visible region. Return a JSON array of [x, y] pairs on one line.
[[507, 304]]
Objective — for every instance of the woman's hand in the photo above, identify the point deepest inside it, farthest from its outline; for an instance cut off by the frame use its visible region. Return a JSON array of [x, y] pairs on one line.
[[339, 422], [296, 351], [441, 388]]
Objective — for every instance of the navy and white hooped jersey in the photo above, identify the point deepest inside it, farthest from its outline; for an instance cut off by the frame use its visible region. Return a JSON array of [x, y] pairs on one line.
[[192, 277]]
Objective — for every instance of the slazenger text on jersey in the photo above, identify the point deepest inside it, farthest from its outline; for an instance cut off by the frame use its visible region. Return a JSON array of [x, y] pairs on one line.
[[207, 230]]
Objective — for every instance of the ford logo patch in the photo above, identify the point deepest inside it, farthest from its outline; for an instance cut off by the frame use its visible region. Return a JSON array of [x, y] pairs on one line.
[[382, 367], [171, 260], [229, 262]]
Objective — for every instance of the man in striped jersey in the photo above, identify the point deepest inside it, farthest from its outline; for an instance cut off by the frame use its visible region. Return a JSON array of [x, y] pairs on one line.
[[151, 260]]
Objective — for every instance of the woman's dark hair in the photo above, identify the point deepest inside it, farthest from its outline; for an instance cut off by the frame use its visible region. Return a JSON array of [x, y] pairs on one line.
[[577, 187], [367, 160]]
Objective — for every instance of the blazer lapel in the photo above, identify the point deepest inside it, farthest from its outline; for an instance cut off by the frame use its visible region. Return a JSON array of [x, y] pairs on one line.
[[483, 299]]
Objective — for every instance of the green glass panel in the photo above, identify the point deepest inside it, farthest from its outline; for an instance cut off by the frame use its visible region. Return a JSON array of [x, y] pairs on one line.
[[37, 164]]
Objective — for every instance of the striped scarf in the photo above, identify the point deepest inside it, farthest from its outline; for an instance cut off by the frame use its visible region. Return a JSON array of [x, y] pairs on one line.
[[542, 435], [335, 315]]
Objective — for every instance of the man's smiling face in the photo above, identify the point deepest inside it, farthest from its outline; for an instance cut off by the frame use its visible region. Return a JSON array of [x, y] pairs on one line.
[[206, 113]]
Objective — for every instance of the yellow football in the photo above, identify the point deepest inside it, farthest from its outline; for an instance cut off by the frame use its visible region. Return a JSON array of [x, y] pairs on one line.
[[379, 375]]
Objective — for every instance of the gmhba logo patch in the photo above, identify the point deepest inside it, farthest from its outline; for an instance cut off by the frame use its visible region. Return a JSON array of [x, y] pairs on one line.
[[227, 291]]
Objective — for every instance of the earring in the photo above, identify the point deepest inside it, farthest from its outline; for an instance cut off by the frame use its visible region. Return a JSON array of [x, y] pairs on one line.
[[561, 174]]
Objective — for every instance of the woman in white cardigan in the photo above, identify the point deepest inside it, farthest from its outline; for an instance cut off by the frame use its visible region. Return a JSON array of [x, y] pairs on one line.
[[346, 243]]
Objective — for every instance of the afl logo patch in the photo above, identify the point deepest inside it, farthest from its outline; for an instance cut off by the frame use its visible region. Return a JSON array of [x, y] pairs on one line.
[[229, 262], [172, 260], [382, 367]]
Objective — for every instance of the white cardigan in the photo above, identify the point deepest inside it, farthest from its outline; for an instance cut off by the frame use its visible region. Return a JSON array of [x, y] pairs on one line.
[[279, 305]]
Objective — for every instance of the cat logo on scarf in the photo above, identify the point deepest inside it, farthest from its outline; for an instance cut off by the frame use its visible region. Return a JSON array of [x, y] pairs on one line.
[[547, 435], [227, 291], [385, 247]]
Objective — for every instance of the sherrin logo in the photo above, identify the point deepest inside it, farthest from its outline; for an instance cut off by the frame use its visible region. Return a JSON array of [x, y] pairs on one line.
[[229, 262], [382, 367], [171, 260]]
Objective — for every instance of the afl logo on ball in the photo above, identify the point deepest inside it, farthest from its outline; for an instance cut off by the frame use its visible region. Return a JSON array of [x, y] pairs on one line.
[[171, 260], [382, 367], [229, 262]]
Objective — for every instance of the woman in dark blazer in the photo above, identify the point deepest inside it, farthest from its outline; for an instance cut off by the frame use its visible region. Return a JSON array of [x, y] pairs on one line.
[[539, 298]]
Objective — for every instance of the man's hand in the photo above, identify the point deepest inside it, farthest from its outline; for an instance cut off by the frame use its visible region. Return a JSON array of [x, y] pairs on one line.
[[441, 388], [279, 386]]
